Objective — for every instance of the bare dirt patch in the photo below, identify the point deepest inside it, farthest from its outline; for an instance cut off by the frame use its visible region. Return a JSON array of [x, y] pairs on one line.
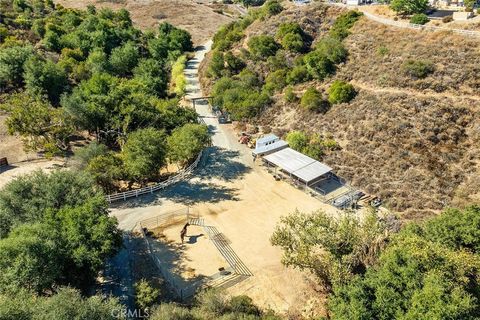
[[201, 20]]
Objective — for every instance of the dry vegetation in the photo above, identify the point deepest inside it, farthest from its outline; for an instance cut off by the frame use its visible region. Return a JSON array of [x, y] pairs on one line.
[[413, 142], [201, 20]]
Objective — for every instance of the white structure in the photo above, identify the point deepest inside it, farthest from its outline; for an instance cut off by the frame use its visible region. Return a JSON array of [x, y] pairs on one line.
[[462, 16], [298, 165], [268, 144]]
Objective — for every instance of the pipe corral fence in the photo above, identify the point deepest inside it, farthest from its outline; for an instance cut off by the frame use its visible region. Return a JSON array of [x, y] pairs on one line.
[[164, 220]]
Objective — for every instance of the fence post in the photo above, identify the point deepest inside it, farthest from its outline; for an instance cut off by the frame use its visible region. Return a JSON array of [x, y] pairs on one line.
[[124, 196]]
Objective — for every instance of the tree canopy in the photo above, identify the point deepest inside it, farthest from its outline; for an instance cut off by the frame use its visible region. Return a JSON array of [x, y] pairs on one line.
[[428, 271]]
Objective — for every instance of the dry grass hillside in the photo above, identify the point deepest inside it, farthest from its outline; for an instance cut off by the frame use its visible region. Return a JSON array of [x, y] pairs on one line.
[[415, 143], [201, 20]]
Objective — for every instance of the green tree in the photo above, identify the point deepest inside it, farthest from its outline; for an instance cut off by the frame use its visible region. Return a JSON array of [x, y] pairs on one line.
[[276, 81], [144, 153], [186, 142], [217, 65], [298, 74], [106, 169], [416, 278], [41, 127], [456, 229], [262, 46], [83, 155], [312, 100], [407, 7], [290, 95], [334, 249], [145, 294], [91, 237], [31, 258], [97, 61], [44, 77], [153, 76], [124, 59], [297, 140], [332, 48], [341, 92], [12, 60], [272, 8], [27, 198], [64, 304], [318, 64]]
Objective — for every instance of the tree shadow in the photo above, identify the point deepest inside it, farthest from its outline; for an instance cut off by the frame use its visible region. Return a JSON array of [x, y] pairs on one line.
[[222, 164], [171, 258], [190, 192]]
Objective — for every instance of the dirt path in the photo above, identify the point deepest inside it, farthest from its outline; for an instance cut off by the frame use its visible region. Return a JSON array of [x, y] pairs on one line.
[[243, 202], [412, 92]]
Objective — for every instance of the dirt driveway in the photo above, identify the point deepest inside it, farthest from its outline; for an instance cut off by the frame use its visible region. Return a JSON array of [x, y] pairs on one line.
[[244, 202]]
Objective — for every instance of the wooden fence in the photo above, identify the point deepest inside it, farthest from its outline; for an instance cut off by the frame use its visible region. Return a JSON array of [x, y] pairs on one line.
[[159, 186]]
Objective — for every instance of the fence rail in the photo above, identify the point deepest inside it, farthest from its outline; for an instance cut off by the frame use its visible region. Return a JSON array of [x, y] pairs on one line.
[[399, 24], [181, 292], [159, 186], [406, 25]]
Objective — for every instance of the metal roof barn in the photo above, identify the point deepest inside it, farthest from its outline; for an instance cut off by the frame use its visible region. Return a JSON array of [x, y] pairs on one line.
[[297, 164]]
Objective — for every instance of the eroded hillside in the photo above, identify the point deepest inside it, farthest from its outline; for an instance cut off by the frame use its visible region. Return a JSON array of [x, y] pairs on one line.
[[414, 141]]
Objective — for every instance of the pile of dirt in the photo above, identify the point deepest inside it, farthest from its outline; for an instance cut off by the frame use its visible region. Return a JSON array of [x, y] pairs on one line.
[[413, 142], [201, 20]]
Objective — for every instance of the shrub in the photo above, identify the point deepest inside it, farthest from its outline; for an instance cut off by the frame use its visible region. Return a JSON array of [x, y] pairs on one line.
[[319, 66], [419, 18], [382, 50], [262, 46], [447, 19], [217, 65], [312, 100], [332, 48], [234, 64], [290, 94], [343, 23], [293, 42], [298, 74], [276, 81], [272, 7], [341, 92], [418, 68]]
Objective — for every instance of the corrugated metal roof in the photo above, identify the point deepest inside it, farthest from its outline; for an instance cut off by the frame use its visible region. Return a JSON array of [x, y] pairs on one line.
[[298, 164], [267, 138], [277, 145], [312, 171]]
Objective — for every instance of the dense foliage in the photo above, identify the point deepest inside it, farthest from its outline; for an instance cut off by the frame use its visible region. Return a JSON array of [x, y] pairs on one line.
[[67, 71], [66, 304], [428, 271], [406, 7], [246, 99], [55, 230], [213, 304], [341, 92], [313, 145], [419, 18]]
